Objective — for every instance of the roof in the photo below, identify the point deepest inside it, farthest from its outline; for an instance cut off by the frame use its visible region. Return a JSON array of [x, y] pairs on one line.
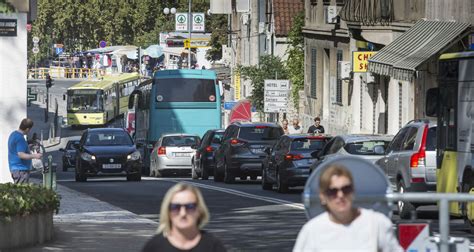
[[295, 136], [401, 58], [351, 138], [105, 82], [284, 12], [251, 124], [105, 129], [178, 134]]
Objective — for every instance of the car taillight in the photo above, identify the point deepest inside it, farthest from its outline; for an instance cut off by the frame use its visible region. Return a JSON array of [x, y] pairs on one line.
[[161, 151], [209, 149], [291, 157], [236, 142], [261, 127], [417, 180], [419, 158]]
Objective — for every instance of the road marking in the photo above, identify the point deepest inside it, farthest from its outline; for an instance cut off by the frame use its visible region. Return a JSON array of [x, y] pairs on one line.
[[238, 193]]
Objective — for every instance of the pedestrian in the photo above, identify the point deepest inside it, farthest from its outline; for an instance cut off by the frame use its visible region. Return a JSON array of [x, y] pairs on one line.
[[343, 227], [295, 128], [284, 125], [317, 128], [19, 156], [183, 215]]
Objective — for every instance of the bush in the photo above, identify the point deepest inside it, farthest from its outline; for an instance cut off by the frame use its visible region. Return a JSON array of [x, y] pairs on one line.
[[21, 200]]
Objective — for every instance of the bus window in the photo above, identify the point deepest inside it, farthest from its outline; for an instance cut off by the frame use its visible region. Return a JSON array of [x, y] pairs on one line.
[[186, 90], [84, 101]]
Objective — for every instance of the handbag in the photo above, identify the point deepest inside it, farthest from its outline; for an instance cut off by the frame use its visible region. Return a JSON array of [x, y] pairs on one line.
[[37, 164]]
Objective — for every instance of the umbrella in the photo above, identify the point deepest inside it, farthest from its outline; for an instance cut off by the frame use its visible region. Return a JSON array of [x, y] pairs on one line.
[[154, 51], [241, 111]]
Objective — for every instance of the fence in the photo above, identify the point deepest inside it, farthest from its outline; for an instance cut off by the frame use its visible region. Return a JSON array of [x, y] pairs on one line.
[[62, 72]]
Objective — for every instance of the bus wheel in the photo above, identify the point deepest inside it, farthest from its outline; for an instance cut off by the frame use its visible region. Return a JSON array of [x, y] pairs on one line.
[[404, 208]]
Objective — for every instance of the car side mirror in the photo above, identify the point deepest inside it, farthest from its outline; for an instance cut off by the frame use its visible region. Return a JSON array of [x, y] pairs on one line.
[[379, 150], [315, 154], [268, 150]]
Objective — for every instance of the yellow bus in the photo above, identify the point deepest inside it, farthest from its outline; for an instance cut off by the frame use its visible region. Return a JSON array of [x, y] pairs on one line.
[[96, 102]]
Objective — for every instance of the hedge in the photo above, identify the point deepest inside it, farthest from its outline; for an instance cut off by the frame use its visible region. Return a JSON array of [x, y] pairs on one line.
[[25, 199]]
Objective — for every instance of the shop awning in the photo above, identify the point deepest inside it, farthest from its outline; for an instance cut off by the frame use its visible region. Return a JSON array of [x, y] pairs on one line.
[[401, 58]]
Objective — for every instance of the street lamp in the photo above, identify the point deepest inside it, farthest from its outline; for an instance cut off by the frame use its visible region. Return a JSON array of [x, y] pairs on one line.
[[167, 11]]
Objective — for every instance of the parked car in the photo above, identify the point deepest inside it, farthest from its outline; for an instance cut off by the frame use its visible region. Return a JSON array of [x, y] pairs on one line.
[[369, 147], [242, 150], [69, 154], [172, 153], [287, 162], [107, 151], [410, 161], [203, 162]]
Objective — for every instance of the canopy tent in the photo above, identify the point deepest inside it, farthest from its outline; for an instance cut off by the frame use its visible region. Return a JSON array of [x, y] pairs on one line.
[[154, 51]]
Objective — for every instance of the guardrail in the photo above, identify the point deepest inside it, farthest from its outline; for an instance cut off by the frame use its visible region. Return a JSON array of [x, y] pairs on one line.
[[64, 73]]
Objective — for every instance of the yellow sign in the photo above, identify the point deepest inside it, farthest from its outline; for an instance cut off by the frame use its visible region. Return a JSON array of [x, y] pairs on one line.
[[360, 61], [237, 86], [196, 43]]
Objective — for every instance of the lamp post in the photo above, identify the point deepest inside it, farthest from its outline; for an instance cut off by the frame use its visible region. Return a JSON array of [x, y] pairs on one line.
[[167, 11]]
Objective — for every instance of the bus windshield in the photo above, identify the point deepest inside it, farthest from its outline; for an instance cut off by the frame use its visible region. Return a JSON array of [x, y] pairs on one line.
[[185, 90], [84, 101]]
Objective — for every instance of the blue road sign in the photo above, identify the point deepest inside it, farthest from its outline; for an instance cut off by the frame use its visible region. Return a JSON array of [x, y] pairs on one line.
[[230, 105], [102, 44], [59, 50]]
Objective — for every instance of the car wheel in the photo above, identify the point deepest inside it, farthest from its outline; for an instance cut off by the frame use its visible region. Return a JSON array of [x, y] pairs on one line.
[[265, 184], [243, 178], [80, 177], [282, 187], [253, 177], [204, 172], [404, 208], [217, 176], [134, 177], [228, 177], [194, 174]]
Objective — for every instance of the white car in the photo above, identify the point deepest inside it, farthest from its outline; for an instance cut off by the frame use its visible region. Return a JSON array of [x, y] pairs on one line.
[[172, 154]]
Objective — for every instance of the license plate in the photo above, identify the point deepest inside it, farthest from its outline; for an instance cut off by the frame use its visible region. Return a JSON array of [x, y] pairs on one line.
[[111, 166], [182, 154], [257, 150]]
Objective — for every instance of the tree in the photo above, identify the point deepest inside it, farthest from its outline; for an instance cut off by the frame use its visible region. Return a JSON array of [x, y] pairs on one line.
[[270, 67], [295, 61], [218, 36]]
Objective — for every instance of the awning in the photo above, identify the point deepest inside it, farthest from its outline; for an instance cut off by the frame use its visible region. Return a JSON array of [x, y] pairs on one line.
[[401, 58]]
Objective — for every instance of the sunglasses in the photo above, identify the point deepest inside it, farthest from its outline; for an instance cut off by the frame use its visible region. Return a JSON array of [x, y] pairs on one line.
[[332, 192], [189, 207]]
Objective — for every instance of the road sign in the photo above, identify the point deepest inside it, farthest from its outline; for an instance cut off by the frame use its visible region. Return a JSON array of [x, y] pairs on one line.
[[102, 44], [198, 22], [58, 46], [196, 43], [276, 96], [59, 50], [230, 105], [35, 50], [181, 21], [36, 40]]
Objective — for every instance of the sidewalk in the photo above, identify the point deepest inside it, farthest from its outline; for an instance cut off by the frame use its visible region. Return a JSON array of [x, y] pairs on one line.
[[87, 224], [36, 112]]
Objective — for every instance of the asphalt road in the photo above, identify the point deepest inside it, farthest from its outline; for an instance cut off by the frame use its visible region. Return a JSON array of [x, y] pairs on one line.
[[243, 215]]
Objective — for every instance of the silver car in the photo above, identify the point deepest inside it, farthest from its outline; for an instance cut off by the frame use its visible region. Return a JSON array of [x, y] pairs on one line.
[[369, 147], [410, 161], [172, 153]]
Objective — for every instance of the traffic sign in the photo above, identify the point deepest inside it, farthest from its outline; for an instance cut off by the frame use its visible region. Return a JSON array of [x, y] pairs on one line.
[[36, 40], [278, 85], [59, 50], [276, 95], [198, 22], [102, 44], [276, 99], [196, 43], [181, 21], [35, 50]]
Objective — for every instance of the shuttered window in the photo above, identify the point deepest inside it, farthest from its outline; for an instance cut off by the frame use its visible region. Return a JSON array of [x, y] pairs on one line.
[[313, 73], [339, 81]]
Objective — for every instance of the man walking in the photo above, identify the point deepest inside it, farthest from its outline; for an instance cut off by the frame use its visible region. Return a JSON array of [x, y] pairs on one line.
[[317, 128], [295, 128], [19, 157]]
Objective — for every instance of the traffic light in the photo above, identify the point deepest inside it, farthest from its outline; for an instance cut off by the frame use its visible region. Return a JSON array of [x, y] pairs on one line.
[[49, 81]]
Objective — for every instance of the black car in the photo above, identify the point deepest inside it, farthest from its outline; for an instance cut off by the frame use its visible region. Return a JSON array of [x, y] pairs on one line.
[[69, 154], [287, 163], [242, 150], [203, 162], [107, 151]]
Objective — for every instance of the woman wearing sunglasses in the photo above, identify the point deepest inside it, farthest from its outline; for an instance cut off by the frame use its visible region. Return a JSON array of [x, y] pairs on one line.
[[344, 227], [183, 214]]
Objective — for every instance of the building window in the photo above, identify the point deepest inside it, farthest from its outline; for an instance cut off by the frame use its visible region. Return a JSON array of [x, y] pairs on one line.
[[400, 103], [313, 73], [339, 81], [313, 2]]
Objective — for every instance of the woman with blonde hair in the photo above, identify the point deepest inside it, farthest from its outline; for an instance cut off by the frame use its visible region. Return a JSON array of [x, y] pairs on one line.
[[183, 214], [344, 227]]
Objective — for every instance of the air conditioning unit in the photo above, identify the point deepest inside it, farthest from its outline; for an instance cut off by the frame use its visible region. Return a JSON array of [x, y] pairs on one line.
[[331, 14], [245, 19], [370, 78], [344, 70], [242, 5]]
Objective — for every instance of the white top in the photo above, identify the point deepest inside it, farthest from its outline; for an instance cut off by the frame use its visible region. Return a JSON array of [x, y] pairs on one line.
[[370, 231], [292, 130]]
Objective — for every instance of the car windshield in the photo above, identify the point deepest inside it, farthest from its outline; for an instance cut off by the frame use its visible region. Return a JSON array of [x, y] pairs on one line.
[[70, 145], [307, 144], [179, 141], [217, 137], [108, 138], [365, 147], [259, 133]]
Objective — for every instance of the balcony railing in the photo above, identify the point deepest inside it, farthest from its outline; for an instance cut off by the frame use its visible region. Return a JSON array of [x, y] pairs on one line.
[[368, 12]]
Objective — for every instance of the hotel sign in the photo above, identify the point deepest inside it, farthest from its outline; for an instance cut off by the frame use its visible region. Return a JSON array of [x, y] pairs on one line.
[[8, 27]]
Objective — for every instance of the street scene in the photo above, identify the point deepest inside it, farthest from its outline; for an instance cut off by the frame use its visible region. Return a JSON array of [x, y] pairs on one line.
[[219, 125]]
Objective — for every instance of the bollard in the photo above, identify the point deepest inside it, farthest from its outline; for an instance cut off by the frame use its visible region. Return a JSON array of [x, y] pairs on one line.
[[49, 174]]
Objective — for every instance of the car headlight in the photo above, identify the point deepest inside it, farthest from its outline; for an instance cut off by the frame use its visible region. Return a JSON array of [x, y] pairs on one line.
[[87, 157], [134, 156]]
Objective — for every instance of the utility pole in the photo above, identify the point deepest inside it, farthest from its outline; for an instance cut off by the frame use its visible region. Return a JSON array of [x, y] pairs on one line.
[[190, 26]]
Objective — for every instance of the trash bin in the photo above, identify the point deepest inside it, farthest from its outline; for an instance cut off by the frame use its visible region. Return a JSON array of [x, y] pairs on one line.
[[49, 174]]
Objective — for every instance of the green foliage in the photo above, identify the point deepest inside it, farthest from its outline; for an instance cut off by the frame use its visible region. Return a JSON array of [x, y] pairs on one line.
[[218, 36], [6, 7], [295, 61], [20, 200], [270, 67]]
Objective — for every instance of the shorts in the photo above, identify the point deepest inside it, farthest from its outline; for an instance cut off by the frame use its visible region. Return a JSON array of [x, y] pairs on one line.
[[20, 176]]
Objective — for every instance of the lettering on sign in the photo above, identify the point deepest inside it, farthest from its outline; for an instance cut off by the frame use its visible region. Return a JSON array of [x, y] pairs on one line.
[[360, 61], [237, 86], [8, 27]]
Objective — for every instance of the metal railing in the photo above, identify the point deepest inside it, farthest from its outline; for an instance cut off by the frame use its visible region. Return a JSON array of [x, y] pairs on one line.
[[64, 73]]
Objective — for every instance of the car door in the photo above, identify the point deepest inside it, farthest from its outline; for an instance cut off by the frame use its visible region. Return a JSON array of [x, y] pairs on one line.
[[274, 156], [220, 153], [391, 159], [198, 155]]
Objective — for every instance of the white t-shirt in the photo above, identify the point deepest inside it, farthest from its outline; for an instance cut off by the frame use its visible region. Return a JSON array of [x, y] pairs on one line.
[[370, 231], [292, 130]]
